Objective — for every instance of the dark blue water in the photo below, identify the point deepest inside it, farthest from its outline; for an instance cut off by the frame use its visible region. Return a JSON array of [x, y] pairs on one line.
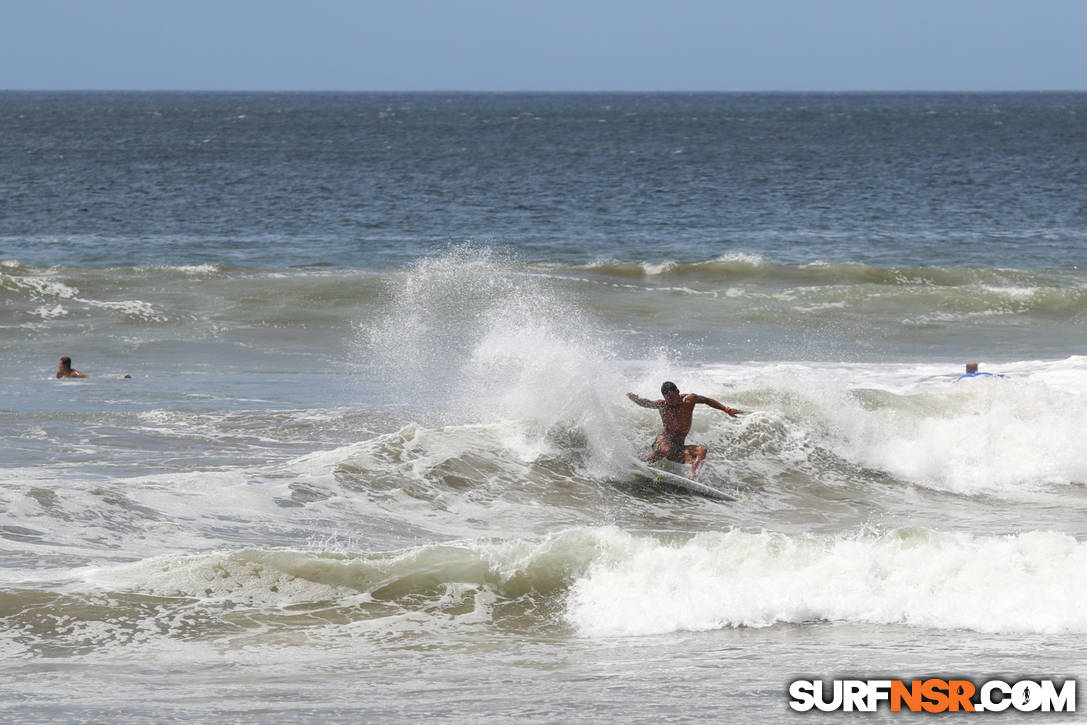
[[375, 180]]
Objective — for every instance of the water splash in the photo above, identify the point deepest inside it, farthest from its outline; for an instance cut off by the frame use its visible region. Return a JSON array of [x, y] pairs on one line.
[[472, 337]]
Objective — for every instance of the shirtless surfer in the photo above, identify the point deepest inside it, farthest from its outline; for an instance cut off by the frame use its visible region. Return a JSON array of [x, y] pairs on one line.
[[65, 369], [676, 412]]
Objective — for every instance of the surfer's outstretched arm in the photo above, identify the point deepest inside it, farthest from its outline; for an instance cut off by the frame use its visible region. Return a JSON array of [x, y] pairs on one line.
[[720, 406], [643, 402]]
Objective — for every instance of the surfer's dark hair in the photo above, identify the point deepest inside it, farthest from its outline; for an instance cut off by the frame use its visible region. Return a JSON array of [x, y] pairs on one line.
[[669, 387]]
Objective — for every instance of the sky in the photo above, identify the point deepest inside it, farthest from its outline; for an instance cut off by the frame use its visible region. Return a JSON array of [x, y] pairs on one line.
[[544, 45]]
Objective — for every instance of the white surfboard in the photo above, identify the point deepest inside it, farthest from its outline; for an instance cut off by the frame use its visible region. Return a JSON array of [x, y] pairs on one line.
[[667, 480]]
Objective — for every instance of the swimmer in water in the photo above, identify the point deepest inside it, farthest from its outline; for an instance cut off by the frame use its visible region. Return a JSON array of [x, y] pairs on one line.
[[65, 370]]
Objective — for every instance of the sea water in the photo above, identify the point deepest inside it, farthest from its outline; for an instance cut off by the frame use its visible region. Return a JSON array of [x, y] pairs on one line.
[[372, 463]]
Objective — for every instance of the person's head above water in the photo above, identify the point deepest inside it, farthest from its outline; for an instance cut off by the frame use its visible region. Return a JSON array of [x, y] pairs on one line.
[[668, 388], [64, 370], [971, 367]]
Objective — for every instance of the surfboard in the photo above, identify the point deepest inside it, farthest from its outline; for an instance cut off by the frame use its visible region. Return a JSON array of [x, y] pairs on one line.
[[669, 481]]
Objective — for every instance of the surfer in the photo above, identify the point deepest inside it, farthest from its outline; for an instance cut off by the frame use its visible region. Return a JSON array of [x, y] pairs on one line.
[[65, 369], [676, 411]]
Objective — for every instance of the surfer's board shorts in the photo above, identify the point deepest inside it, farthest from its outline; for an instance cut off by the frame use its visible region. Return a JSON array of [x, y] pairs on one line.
[[671, 449]]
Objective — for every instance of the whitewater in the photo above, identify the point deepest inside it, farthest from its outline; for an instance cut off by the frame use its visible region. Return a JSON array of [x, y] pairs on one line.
[[476, 494], [365, 470]]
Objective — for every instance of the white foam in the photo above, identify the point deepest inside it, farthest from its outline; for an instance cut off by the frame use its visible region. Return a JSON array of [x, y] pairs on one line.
[[821, 307], [652, 269], [945, 317], [190, 269], [754, 260], [42, 287], [1017, 293], [50, 312], [268, 578], [132, 308], [993, 435], [639, 585]]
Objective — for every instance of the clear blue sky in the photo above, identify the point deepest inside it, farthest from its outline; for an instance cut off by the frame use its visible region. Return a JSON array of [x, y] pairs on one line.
[[579, 45]]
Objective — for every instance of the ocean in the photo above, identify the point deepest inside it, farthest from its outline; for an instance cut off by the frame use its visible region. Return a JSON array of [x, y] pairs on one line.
[[374, 459]]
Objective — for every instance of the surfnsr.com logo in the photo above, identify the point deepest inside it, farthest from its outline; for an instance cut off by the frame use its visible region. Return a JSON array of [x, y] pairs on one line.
[[933, 695]]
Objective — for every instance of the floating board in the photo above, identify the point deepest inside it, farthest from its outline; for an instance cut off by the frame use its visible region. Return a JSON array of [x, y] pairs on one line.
[[674, 482]]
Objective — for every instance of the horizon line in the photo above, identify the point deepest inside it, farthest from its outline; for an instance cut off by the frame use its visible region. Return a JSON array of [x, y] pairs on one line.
[[546, 91]]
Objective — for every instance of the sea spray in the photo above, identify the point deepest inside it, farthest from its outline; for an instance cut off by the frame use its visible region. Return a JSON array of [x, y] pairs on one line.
[[469, 337]]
